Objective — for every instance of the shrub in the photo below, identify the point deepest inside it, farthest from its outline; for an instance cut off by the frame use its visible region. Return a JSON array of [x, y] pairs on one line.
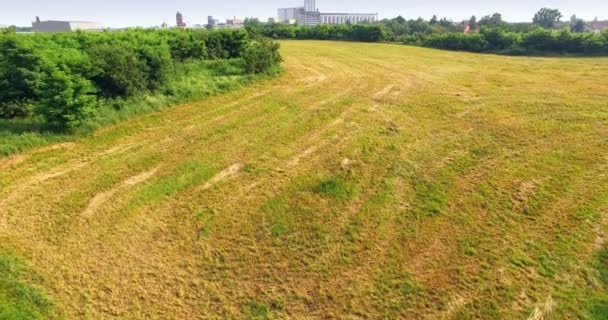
[[158, 65], [540, 40], [9, 110], [456, 41], [261, 55], [184, 45], [118, 71], [20, 75], [497, 39], [67, 99]]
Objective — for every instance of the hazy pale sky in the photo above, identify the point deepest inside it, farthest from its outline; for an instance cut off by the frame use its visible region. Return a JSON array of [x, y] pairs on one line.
[[121, 13]]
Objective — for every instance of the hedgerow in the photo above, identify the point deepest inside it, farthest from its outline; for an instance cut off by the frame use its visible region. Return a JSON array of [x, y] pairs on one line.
[[63, 76]]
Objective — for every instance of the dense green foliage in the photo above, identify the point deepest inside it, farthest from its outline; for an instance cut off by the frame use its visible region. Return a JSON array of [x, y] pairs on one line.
[[66, 77], [191, 80], [539, 41], [261, 55], [358, 32]]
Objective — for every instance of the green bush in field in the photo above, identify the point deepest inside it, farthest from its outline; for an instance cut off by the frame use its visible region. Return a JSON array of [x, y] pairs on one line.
[[68, 100], [261, 55], [118, 72]]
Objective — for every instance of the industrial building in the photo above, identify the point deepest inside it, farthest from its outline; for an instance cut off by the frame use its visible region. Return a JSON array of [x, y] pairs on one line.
[[289, 15], [64, 26], [309, 15]]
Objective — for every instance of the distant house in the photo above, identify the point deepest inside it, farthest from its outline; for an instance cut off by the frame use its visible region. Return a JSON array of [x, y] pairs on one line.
[[597, 26], [64, 26]]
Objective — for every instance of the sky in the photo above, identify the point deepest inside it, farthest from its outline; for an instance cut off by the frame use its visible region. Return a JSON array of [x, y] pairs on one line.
[[127, 13]]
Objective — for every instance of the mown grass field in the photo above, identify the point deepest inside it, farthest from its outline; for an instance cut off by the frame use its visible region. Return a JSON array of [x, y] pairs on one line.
[[368, 181]]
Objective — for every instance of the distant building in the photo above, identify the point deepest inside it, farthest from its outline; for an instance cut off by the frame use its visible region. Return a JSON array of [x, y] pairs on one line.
[[310, 6], [353, 18], [64, 26], [309, 15], [180, 20], [597, 26], [286, 15], [229, 24]]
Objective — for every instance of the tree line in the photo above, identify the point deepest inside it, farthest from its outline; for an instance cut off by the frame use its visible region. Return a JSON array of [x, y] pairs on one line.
[[355, 32], [63, 77], [546, 34]]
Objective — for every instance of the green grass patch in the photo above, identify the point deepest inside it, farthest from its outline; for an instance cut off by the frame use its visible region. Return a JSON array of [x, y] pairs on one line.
[[602, 265], [263, 310], [19, 300], [431, 199], [185, 176], [18, 135], [279, 213], [468, 247], [336, 187], [394, 291], [597, 309]]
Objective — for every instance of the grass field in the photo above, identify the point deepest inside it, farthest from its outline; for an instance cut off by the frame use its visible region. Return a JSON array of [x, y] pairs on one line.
[[368, 181]]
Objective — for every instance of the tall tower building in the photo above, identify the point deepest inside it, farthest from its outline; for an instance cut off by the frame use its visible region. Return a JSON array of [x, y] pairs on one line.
[[309, 6], [180, 20]]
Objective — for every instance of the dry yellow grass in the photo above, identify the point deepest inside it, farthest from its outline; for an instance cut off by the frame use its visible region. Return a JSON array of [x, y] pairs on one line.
[[368, 181]]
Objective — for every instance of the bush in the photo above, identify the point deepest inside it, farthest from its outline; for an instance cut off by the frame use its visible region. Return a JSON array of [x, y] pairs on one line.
[[118, 71], [456, 41], [67, 100], [188, 45], [500, 41], [158, 65], [497, 39], [9, 110], [261, 55]]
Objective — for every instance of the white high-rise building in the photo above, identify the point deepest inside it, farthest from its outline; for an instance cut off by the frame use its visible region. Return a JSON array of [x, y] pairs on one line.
[[309, 15], [309, 6]]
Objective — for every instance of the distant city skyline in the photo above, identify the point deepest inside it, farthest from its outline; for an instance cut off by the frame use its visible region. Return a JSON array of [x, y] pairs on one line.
[[126, 13]]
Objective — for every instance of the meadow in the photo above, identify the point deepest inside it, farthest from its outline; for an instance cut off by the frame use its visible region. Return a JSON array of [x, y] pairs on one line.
[[367, 181]]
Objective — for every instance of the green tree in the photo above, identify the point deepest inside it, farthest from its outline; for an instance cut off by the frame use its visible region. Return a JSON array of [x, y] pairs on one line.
[[434, 20], [473, 23], [20, 76], [118, 71], [493, 21], [547, 18], [577, 25], [68, 100]]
